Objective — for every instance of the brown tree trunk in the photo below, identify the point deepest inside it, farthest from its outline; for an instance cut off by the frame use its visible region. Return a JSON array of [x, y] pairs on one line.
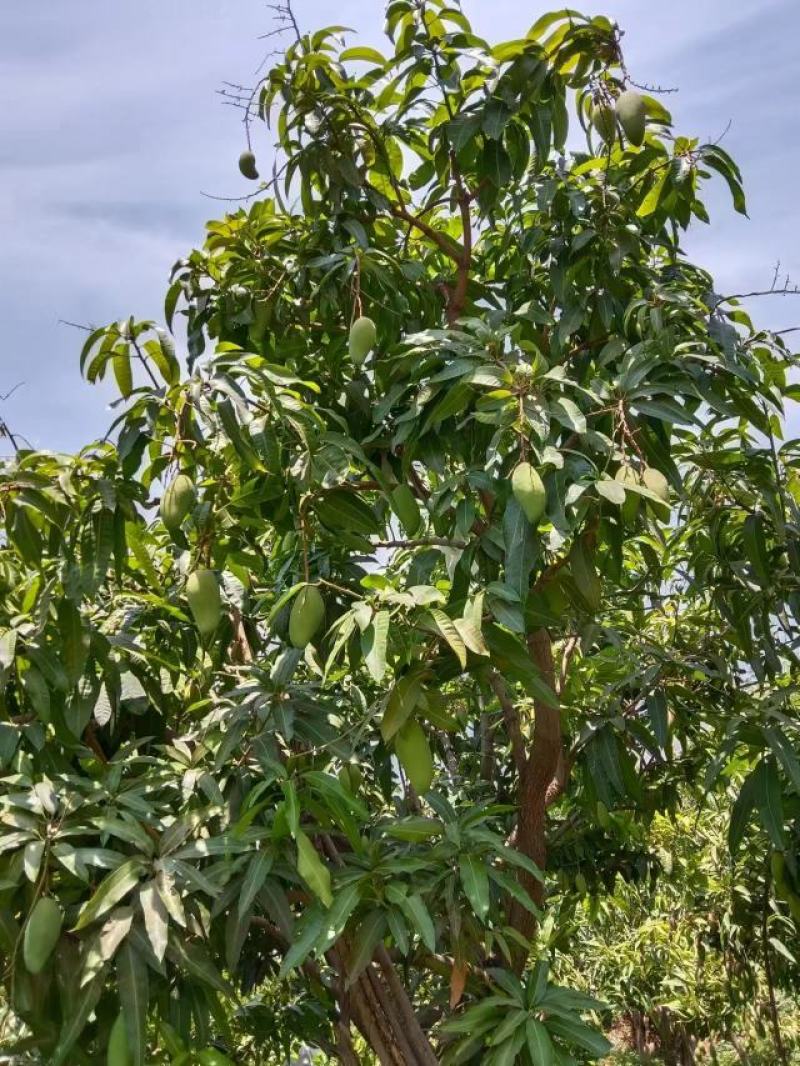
[[536, 777], [379, 1006]]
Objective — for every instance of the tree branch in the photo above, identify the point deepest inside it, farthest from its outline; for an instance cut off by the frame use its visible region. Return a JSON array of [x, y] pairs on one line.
[[439, 239], [540, 770], [512, 721], [421, 542]]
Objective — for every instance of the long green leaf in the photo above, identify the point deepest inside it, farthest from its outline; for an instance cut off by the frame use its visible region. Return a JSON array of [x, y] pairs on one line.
[[133, 985], [475, 881], [75, 1022], [110, 891]]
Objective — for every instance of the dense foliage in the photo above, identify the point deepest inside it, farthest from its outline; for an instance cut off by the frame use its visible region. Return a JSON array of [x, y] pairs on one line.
[[326, 672]]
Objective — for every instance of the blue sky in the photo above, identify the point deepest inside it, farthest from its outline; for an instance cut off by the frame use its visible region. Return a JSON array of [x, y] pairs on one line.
[[111, 130]]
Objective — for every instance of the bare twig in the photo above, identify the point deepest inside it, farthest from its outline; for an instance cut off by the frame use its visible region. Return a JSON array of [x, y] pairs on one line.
[[143, 361], [659, 89], [786, 290], [10, 393], [421, 542], [75, 325], [284, 16]]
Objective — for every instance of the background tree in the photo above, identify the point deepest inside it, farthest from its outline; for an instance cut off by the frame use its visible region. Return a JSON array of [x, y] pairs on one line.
[[474, 524]]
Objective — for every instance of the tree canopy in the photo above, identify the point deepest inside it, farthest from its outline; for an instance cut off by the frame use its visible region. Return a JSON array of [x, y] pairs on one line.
[[456, 543]]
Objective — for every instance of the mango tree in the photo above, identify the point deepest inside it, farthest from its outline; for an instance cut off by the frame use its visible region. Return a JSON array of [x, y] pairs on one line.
[[464, 520]]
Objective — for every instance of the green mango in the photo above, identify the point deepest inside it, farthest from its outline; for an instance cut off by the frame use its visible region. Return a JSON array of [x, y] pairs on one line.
[[202, 592], [415, 829], [604, 120], [178, 500], [405, 506], [415, 756], [632, 114], [655, 481], [403, 700], [247, 165], [118, 1052], [306, 616], [363, 336], [313, 870], [529, 492], [626, 475], [41, 934]]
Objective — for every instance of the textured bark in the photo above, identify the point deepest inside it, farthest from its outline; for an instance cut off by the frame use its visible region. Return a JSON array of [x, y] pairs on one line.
[[376, 1003], [379, 1006], [536, 778]]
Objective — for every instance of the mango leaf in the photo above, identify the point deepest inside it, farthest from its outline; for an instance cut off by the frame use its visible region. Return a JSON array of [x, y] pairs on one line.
[[309, 929], [416, 913], [75, 1022], [475, 881], [110, 891], [540, 1046], [368, 935], [785, 755], [156, 918], [133, 986], [376, 638], [767, 790], [447, 628], [254, 879]]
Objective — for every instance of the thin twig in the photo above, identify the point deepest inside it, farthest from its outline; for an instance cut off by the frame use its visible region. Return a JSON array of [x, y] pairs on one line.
[[421, 542]]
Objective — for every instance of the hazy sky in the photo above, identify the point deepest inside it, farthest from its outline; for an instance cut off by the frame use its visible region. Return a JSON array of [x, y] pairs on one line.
[[111, 130]]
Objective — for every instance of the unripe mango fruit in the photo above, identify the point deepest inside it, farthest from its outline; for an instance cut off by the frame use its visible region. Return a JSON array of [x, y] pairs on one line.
[[632, 114], [177, 501], [202, 592], [405, 506], [118, 1052], [415, 756], [363, 336], [247, 165], [626, 476], [529, 492], [604, 120], [655, 481], [402, 702], [41, 934], [306, 616]]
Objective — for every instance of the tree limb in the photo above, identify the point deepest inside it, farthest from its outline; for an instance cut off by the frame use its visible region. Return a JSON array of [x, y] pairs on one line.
[[512, 721]]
